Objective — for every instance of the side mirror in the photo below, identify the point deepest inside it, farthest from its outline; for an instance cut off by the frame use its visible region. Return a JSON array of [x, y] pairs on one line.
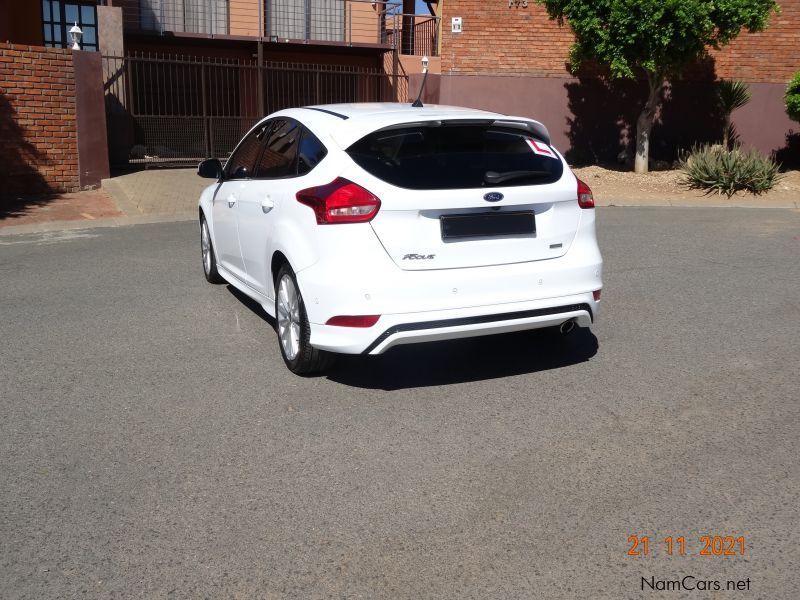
[[210, 168]]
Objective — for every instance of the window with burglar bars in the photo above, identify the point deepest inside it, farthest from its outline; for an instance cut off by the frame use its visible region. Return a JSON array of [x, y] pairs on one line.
[[322, 20], [58, 18], [196, 16]]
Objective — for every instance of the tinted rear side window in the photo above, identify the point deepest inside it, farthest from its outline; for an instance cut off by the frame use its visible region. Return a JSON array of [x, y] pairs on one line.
[[311, 153], [280, 152], [240, 164], [456, 157]]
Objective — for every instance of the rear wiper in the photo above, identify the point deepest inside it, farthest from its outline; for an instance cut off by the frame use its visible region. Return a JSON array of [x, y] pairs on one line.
[[495, 177]]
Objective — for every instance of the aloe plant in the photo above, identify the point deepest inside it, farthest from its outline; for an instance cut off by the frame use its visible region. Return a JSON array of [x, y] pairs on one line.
[[717, 169]]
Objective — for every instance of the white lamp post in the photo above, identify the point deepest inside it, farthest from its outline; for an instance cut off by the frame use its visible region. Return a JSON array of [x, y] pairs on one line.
[[75, 34], [418, 102]]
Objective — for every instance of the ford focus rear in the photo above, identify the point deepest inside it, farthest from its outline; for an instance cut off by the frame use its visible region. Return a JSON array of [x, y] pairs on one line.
[[361, 227]]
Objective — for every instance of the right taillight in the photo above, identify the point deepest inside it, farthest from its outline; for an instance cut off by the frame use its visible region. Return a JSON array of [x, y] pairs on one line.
[[340, 201], [585, 197]]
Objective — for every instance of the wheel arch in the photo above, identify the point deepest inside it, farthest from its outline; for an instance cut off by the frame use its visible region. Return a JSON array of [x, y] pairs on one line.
[[290, 245], [278, 260]]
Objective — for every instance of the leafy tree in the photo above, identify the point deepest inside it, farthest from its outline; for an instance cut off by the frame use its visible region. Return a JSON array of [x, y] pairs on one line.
[[792, 98], [655, 37]]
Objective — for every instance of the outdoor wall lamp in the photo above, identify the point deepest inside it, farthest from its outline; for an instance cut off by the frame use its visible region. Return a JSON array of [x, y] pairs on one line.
[[418, 102], [75, 34]]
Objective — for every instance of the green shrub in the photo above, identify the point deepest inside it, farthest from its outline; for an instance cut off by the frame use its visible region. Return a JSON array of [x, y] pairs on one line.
[[716, 169], [792, 98]]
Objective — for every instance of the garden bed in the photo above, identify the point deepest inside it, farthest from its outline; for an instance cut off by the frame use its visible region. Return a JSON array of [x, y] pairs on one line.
[[612, 185]]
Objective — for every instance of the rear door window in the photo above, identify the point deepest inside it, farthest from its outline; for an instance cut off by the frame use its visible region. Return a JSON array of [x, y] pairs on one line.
[[280, 152], [459, 156], [242, 162]]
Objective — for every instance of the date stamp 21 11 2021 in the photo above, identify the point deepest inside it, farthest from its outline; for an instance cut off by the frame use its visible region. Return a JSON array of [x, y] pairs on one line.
[[705, 545]]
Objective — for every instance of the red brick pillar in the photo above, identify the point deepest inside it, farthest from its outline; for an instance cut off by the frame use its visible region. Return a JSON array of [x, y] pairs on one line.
[[38, 146]]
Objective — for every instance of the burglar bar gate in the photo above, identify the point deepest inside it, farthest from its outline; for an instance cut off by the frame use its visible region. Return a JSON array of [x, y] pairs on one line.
[[164, 110]]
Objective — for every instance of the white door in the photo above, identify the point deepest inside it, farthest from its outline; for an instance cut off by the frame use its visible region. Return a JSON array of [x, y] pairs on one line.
[[226, 237], [237, 176], [273, 182]]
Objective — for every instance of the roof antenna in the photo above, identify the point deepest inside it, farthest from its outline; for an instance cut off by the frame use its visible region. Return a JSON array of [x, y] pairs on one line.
[[418, 102]]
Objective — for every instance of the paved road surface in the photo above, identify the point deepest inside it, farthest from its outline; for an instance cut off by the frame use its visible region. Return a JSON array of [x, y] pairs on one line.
[[153, 445]]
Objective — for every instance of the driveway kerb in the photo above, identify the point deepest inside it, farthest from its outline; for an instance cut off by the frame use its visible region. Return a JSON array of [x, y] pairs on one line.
[[710, 202], [113, 222], [120, 196]]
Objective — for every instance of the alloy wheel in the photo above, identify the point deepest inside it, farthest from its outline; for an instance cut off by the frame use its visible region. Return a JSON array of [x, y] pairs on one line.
[[205, 244], [288, 317]]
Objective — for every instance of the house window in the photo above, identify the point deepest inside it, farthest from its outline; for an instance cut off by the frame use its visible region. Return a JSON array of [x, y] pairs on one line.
[[321, 20], [192, 16], [59, 17]]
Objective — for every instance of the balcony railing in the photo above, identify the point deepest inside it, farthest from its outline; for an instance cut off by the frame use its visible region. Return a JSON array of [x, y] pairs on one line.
[[414, 34], [344, 22]]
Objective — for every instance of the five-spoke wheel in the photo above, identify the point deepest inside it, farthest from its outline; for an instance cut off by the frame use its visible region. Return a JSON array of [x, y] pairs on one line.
[[293, 329]]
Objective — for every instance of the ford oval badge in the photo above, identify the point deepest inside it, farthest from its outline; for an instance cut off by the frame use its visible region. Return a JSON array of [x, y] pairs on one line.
[[493, 197]]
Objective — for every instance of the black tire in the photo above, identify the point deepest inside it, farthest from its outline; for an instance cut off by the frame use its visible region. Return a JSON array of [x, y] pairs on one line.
[[208, 254], [307, 360]]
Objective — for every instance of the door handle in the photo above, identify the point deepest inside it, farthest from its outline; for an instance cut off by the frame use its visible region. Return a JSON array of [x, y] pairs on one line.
[[231, 201], [267, 205]]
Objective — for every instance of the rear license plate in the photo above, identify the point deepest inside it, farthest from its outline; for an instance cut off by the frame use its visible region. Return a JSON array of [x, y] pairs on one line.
[[487, 224]]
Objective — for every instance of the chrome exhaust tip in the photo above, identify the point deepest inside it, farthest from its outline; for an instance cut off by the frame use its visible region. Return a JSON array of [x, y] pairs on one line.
[[567, 327]]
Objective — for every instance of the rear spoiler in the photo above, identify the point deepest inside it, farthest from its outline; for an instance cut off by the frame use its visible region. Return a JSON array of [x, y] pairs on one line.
[[533, 128]]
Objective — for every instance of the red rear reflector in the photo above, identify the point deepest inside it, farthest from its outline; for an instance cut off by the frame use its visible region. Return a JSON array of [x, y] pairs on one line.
[[585, 197], [340, 201], [596, 295], [354, 320]]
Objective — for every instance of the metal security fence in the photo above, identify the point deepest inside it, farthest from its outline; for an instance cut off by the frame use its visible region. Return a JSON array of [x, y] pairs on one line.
[[165, 110]]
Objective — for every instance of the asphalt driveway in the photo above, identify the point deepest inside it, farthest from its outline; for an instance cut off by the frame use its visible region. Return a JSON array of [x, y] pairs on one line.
[[152, 444]]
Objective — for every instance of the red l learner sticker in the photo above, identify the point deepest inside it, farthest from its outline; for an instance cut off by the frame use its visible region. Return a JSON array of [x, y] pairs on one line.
[[541, 149]]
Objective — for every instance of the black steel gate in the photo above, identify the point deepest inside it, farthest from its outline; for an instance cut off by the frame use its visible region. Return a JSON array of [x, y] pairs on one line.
[[164, 110]]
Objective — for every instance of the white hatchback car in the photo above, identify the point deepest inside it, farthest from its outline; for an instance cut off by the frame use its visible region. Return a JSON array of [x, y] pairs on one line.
[[363, 226]]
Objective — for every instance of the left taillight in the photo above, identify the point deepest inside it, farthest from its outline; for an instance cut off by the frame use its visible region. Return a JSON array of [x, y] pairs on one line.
[[340, 201], [585, 196]]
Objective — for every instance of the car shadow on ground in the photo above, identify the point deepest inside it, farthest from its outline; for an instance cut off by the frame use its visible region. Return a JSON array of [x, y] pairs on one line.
[[456, 361], [466, 360]]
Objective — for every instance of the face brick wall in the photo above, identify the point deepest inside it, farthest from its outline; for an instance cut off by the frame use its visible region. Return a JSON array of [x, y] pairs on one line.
[[771, 56], [38, 144], [498, 40], [513, 61]]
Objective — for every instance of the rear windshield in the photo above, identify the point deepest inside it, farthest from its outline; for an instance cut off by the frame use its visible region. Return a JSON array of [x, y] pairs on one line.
[[423, 157]]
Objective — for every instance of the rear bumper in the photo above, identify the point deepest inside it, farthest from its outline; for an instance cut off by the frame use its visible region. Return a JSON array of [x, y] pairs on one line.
[[428, 305], [393, 330]]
